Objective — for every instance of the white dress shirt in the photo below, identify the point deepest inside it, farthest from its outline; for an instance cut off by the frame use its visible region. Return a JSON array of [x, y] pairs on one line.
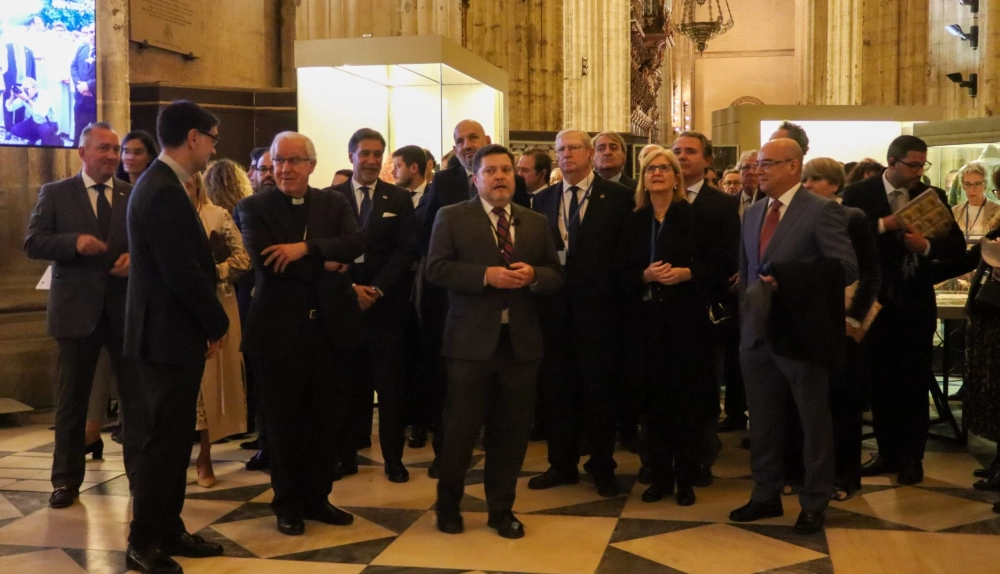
[[179, 171], [905, 197], [784, 199], [583, 186], [694, 189], [416, 194], [495, 219], [89, 183], [359, 195]]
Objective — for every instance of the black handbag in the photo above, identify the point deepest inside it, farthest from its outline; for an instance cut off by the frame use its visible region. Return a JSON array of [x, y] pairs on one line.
[[988, 296]]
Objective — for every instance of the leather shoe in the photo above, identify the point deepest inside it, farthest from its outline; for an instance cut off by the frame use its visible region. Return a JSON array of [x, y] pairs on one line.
[[991, 482], [645, 475], [607, 484], [191, 546], [656, 492], [329, 514], [752, 511], [685, 496], [434, 470], [552, 478], [259, 461], [809, 522], [911, 472], [450, 522], [418, 437], [63, 497], [704, 477], [506, 524], [730, 424], [251, 444], [877, 465], [291, 526], [396, 472], [150, 561], [343, 469], [984, 472]]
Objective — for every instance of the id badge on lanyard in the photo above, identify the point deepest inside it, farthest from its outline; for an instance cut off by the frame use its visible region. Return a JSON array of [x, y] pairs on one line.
[[567, 220]]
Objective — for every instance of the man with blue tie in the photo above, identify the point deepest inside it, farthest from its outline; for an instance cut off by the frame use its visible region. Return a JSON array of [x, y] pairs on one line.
[[83, 71]]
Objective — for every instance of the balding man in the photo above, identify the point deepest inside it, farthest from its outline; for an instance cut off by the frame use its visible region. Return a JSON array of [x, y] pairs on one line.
[[792, 234], [303, 323]]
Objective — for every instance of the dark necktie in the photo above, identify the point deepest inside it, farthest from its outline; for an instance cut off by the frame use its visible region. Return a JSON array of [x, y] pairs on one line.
[[473, 192], [770, 224], [574, 209], [103, 210], [366, 207], [503, 235]]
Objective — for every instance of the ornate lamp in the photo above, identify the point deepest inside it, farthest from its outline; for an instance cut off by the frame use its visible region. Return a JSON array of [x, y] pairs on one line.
[[701, 32]]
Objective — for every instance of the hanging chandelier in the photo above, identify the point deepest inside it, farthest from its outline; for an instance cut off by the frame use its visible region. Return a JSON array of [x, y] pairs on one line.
[[701, 32]]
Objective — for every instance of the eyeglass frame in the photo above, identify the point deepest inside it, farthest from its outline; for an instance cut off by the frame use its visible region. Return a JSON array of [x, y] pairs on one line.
[[925, 166], [215, 139], [769, 163], [663, 168], [293, 161]]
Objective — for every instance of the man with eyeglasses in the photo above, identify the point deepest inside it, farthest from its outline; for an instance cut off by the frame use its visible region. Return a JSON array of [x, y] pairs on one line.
[[173, 323], [582, 323], [748, 179], [902, 336], [261, 170], [303, 326], [731, 182]]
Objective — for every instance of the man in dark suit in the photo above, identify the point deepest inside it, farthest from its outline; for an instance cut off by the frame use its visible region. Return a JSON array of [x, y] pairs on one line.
[[583, 323], [303, 324], [20, 65], [79, 225], [173, 322], [535, 167], [83, 71], [609, 159], [383, 283], [493, 257], [902, 337], [450, 186], [793, 226]]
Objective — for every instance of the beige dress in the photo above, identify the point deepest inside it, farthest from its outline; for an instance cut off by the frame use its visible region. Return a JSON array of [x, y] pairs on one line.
[[222, 403]]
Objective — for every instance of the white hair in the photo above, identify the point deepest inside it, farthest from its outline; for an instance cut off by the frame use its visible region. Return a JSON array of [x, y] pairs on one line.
[[586, 137], [289, 135]]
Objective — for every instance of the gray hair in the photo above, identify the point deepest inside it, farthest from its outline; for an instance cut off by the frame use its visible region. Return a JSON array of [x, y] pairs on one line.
[[973, 167], [289, 135], [85, 134], [745, 156], [589, 143]]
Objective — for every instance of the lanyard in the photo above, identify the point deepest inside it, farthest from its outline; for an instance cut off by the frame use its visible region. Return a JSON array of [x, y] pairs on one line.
[[654, 235], [567, 220], [968, 229]]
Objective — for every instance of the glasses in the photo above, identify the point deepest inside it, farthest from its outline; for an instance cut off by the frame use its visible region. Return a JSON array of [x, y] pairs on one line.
[[664, 168], [768, 163], [973, 184], [215, 139], [570, 148], [915, 166], [265, 169], [746, 167], [291, 161]]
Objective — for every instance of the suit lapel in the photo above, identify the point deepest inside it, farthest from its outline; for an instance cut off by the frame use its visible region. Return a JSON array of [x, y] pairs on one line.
[[516, 214], [792, 213], [283, 217], [380, 198], [82, 197], [754, 225], [484, 229], [119, 209]]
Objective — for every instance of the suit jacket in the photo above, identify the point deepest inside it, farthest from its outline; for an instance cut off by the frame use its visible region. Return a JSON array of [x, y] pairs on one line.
[[390, 241], [463, 245], [10, 76], [628, 182], [811, 229], [81, 285], [592, 294], [83, 69], [916, 293], [718, 211], [282, 301], [172, 309], [869, 270], [807, 316]]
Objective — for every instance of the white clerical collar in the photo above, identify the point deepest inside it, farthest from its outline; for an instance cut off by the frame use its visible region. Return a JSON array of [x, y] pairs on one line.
[[179, 171]]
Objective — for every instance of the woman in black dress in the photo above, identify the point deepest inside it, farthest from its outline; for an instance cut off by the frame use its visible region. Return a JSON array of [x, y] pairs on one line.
[[669, 336]]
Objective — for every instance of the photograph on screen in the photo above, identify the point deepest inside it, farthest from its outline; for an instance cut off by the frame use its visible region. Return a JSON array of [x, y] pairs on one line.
[[48, 71]]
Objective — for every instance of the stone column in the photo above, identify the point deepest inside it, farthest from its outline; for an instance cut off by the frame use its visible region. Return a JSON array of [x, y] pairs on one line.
[[598, 31]]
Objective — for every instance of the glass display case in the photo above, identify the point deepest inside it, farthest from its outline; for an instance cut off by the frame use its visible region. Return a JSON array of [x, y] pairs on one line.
[[412, 89], [954, 143]]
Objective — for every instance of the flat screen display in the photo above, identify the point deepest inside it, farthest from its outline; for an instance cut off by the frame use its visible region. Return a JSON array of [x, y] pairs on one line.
[[48, 71]]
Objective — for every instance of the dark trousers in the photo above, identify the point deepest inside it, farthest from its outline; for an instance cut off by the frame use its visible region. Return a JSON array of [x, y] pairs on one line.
[[736, 396], [170, 397], [380, 366], [676, 437], [255, 407], [417, 402], [499, 392], [902, 373], [579, 398], [306, 398], [769, 380], [431, 368], [34, 132], [84, 114], [75, 377], [10, 119]]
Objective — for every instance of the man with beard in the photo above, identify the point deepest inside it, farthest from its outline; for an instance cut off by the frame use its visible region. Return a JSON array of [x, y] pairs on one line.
[[261, 170], [409, 164]]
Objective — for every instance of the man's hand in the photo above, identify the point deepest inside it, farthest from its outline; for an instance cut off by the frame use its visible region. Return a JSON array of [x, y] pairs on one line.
[[90, 245], [915, 241], [120, 268], [214, 347], [335, 267], [366, 296], [892, 223], [83, 88], [856, 333], [503, 278], [734, 282], [283, 254], [527, 272], [676, 275], [655, 272], [770, 281]]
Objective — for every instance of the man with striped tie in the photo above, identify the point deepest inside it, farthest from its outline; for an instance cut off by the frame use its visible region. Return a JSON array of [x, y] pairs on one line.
[[493, 257]]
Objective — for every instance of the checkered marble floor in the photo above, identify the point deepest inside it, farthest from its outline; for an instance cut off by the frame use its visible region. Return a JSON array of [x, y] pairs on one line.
[[942, 525]]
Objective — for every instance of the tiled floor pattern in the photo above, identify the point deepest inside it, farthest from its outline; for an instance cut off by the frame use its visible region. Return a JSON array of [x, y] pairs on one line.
[[941, 525]]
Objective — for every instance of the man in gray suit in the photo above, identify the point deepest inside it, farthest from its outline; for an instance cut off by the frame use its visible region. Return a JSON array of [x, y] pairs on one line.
[[492, 256], [792, 226], [79, 225]]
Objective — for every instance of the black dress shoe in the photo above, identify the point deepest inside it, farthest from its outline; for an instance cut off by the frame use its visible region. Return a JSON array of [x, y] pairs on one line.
[[450, 522], [434, 470], [984, 472], [506, 524], [396, 472], [63, 497], [704, 477], [552, 478], [291, 526], [251, 445], [342, 469], [730, 424], [607, 484], [996, 507], [95, 449], [911, 472], [685, 496], [809, 522], [418, 437], [645, 475], [259, 461], [656, 492], [116, 435], [879, 464], [752, 511], [191, 546], [150, 561], [329, 514], [991, 482]]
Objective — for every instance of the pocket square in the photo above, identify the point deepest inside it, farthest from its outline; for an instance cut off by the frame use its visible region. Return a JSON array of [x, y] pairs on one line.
[[387, 214]]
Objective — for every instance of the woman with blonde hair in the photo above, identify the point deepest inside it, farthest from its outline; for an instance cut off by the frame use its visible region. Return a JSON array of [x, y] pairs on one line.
[[975, 213], [222, 401], [669, 335]]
